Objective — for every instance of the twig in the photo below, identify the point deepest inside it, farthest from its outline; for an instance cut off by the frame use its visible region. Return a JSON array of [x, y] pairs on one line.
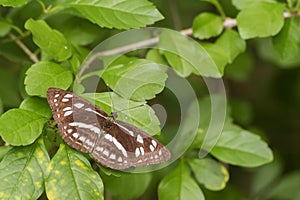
[[228, 23], [124, 49], [31, 55]]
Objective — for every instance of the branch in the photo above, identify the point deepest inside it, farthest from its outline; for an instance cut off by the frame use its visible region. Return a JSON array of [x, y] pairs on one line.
[[228, 23], [31, 55]]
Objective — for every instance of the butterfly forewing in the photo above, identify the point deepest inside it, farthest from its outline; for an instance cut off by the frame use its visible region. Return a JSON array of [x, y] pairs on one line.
[[89, 129]]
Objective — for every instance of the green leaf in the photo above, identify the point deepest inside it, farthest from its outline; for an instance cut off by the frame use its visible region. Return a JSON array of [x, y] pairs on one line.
[[22, 172], [232, 44], [128, 111], [56, 45], [227, 47], [127, 186], [247, 3], [70, 176], [21, 127], [210, 173], [14, 3], [186, 56], [121, 14], [78, 31], [287, 188], [155, 56], [37, 105], [179, 185], [207, 25], [287, 42], [137, 80], [243, 148], [262, 19], [5, 27], [217, 5], [44, 75]]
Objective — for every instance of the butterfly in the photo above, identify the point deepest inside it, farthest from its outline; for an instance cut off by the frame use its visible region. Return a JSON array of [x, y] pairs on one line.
[[113, 143]]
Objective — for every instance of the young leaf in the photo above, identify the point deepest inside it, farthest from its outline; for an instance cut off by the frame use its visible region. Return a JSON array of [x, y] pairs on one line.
[[210, 173], [22, 172], [70, 176], [37, 105], [137, 80], [44, 75], [186, 56], [56, 45], [121, 14], [129, 111], [207, 25], [251, 25], [240, 147], [179, 185], [15, 3], [21, 127], [127, 186]]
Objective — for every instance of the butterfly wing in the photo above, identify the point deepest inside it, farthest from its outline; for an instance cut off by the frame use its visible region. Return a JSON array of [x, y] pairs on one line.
[[89, 129], [79, 129]]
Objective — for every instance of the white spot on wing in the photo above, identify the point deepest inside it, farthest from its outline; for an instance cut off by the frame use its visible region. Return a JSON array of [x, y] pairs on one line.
[[99, 149], [68, 96], [84, 125], [65, 100], [82, 138], [78, 105], [142, 150], [70, 130], [159, 152], [57, 95], [67, 108], [55, 100], [120, 159], [119, 146], [108, 137], [139, 139], [151, 147], [105, 152], [154, 143], [68, 113], [112, 156], [75, 135], [137, 152]]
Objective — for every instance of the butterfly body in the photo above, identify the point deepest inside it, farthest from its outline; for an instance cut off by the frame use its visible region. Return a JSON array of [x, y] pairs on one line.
[[113, 143]]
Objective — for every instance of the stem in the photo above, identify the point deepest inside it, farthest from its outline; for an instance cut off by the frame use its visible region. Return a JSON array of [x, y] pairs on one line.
[[31, 55]]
